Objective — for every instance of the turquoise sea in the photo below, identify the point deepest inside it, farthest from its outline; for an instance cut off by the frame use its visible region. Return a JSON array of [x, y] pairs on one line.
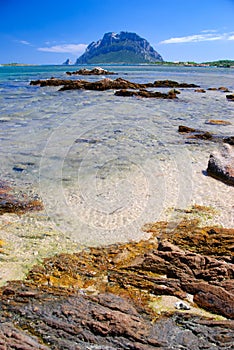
[[105, 165]]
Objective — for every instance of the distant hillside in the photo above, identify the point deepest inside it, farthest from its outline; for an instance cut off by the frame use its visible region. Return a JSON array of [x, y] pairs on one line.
[[221, 63], [120, 48]]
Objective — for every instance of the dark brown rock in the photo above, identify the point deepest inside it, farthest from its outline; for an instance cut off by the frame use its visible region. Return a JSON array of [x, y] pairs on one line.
[[147, 94], [229, 140], [230, 97], [223, 88], [221, 165], [206, 295], [94, 71], [107, 84], [204, 135], [195, 133], [212, 89], [173, 84], [57, 320]]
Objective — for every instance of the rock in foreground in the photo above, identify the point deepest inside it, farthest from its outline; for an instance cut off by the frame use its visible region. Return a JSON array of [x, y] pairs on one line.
[[42, 320], [106, 298], [221, 165]]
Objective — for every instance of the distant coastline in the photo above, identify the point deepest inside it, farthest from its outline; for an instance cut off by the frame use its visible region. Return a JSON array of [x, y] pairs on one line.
[[17, 64], [219, 64]]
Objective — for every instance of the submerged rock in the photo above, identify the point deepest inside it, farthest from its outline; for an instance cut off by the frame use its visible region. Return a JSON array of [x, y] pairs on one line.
[[221, 165], [11, 203]]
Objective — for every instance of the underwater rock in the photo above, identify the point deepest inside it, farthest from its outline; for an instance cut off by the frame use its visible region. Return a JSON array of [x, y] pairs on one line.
[[204, 135], [11, 203]]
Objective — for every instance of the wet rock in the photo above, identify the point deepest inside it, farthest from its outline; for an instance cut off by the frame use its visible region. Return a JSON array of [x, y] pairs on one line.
[[218, 122], [11, 203], [229, 140], [230, 97], [64, 321], [200, 90], [212, 89], [206, 294], [147, 94], [223, 88], [173, 84], [102, 85], [213, 242], [204, 135], [107, 84], [221, 165], [195, 133], [160, 269], [13, 338], [100, 298], [94, 71]]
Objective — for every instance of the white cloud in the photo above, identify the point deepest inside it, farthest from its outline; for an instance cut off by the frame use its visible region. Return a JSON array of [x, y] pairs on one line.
[[209, 31], [65, 48], [198, 38], [24, 42]]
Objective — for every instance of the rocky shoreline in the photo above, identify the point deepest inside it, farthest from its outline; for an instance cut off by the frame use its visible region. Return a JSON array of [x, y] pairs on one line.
[[172, 291]]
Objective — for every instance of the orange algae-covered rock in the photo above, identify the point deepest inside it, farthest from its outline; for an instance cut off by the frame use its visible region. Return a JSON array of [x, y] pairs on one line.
[[218, 122], [102, 296]]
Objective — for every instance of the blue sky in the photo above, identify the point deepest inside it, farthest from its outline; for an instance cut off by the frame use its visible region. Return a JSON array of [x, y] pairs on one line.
[[48, 32]]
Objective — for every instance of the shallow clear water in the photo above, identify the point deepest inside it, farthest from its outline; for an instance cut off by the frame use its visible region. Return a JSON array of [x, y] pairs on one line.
[[105, 165]]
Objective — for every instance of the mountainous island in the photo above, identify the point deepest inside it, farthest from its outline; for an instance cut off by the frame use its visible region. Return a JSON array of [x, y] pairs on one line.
[[124, 47]]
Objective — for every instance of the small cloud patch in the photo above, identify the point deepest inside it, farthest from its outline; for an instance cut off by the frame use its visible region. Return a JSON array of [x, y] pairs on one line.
[[65, 48]]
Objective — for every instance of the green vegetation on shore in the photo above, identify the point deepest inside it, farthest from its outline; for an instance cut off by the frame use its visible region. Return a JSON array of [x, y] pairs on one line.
[[220, 63]]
